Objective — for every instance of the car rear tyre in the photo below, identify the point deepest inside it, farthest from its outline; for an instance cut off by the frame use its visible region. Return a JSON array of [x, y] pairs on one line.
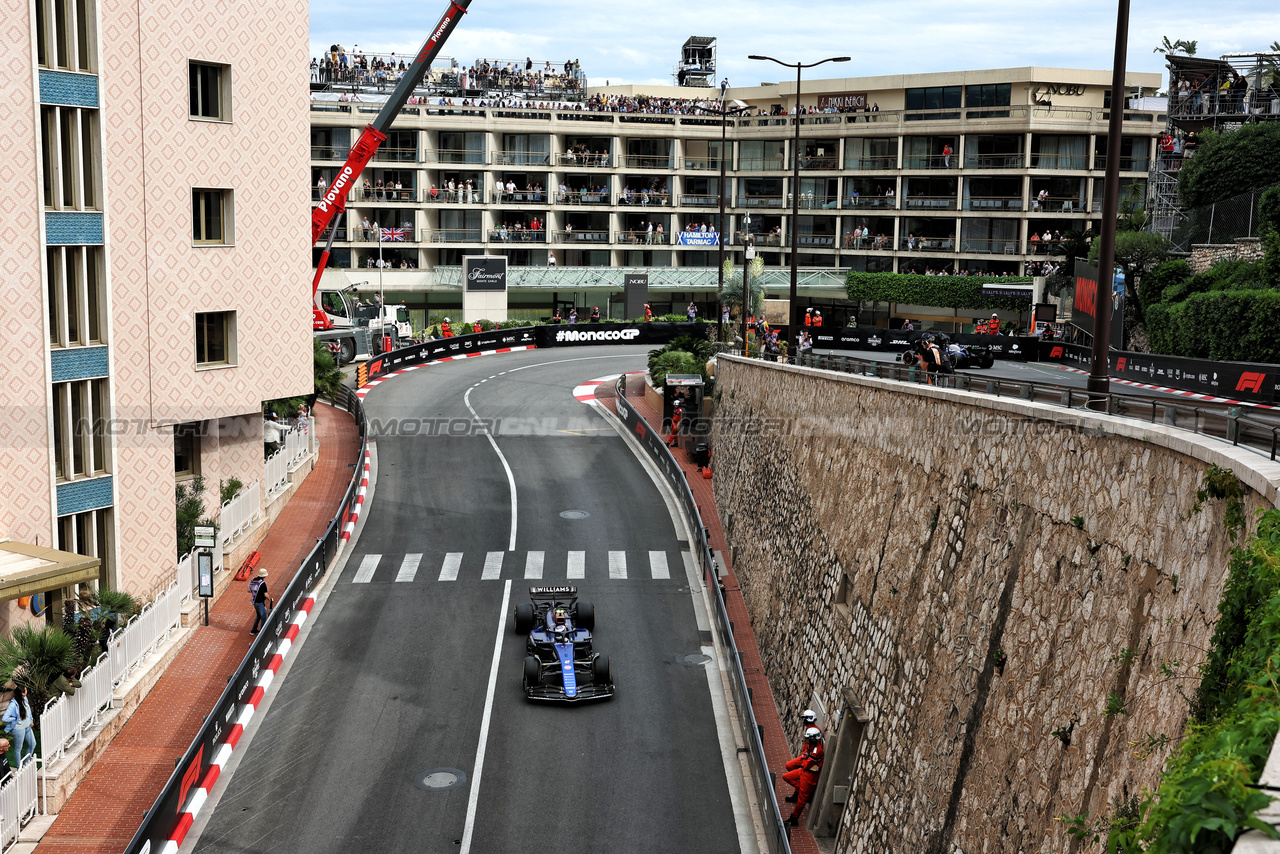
[[987, 361], [586, 617], [346, 351], [524, 619], [600, 670], [532, 672]]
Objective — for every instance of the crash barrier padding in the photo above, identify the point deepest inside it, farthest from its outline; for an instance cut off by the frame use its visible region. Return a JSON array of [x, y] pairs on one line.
[[168, 812], [1250, 382], [551, 335], [896, 340], [655, 446]]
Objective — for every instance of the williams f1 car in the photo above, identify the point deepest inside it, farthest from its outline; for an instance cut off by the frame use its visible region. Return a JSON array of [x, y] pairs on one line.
[[559, 663]]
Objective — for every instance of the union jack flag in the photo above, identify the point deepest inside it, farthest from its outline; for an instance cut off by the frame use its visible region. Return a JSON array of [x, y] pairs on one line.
[[393, 235]]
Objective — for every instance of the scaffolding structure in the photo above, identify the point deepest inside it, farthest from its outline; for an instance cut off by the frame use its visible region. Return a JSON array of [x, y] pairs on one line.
[[697, 66], [1208, 94]]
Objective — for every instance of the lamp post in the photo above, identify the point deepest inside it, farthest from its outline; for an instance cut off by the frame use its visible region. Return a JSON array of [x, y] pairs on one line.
[[750, 254], [724, 115], [795, 180]]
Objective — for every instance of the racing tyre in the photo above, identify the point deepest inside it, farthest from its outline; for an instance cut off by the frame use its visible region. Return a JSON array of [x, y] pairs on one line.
[[532, 672], [600, 671], [524, 619], [586, 616], [987, 361]]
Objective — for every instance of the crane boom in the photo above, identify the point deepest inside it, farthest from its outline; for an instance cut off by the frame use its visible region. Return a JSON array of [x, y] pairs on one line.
[[375, 133]]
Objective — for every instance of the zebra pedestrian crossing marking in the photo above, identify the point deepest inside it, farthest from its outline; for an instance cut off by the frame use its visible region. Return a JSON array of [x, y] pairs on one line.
[[535, 566]]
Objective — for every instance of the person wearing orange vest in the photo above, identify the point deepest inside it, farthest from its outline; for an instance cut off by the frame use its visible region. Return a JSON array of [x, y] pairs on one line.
[[446, 331], [803, 771], [817, 318], [808, 317], [648, 313], [475, 327], [595, 314], [677, 413]]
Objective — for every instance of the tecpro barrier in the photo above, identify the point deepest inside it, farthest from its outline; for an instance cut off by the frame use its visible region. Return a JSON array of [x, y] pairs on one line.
[[169, 817], [766, 801], [897, 340], [552, 335]]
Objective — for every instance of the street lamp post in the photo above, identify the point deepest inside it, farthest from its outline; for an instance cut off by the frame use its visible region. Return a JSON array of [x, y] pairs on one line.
[[724, 115], [750, 254], [795, 181]]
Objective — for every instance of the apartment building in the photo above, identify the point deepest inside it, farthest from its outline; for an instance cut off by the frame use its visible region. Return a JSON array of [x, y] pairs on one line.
[[155, 276], [943, 171]]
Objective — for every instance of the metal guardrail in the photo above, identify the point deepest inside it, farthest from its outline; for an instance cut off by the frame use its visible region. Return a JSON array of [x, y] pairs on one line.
[[1218, 421], [775, 830]]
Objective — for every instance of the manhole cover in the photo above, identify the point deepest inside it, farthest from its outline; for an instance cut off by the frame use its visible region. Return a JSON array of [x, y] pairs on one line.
[[440, 779], [693, 659], [574, 514]]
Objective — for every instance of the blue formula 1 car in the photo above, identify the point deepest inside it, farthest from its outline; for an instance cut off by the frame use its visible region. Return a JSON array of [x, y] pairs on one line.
[[559, 664]]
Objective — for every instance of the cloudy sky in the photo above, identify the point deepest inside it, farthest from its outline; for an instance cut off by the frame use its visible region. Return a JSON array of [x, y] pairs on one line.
[[639, 42]]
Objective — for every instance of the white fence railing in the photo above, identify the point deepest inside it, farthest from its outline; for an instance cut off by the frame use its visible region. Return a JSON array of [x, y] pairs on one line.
[[276, 479], [19, 802], [297, 446], [239, 514]]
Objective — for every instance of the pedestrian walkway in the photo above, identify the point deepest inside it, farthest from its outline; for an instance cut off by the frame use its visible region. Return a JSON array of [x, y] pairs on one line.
[[775, 742], [531, 565], [108, 806]]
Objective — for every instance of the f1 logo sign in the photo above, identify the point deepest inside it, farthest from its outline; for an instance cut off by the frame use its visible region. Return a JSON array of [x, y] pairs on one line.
[[1251, 381], [1120, 363], [1055, 353]]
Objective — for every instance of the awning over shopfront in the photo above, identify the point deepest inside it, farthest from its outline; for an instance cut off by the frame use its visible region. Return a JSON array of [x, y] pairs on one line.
[[26, 569]]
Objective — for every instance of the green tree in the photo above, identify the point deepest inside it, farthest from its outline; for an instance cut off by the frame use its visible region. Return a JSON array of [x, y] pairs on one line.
[[1136, 253], [189, 504], [35, 657], [675, 362], [731, 293], [1228, 164]]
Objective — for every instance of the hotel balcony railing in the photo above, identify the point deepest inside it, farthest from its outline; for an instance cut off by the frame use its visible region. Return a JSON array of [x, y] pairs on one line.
[[1042, 247], [814, 202], [330, 152], [937, 203], [645, 161], [521, 158], [592, 159], [396, 155], [745, 201], [1056, 204], [579, 197], [521, 235], [931, 161], [994, 161], [888, 161], [705, 201], [1059, 161], [927, 244], [870, 202], [880, 242], [641, 200], [991, 246], [519, 197], [580, 236], [454, 156], [739, 238], [454, 235], [709, 164], [777, 163], [1127, 164], [818, 164], [643, 237], [456, 196], [370, 235], [377, 194], [994, 203], [817, 241]]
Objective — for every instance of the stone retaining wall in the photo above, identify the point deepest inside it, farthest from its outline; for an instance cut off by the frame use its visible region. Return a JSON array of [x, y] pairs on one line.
[[1205, 255], [975, 574]]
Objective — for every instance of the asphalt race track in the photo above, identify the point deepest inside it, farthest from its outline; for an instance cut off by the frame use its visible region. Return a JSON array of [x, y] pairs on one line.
[[392, 681]]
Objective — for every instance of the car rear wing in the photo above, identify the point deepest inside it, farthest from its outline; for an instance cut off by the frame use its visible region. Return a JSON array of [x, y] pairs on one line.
[[552, 594]]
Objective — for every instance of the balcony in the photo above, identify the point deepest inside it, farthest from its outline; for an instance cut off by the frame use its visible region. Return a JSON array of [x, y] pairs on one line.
[[645, 161], [402, 234], [578, 237], [396, 155], [704, 201], [456, 196], [814, 202], [641, 200], [990, 246], [518, 235], [519, 197], [450, 156], [706, 164], [879, 243], [870, 202], [1059, 161], [639, 237], [818, 164], [933, 203], [816, 241], [763, 164], [582, 197], [404, 195], [930, 161], [454, 235], [521, 158], [739, 238], [330, 152], [745, 201], [1056, 204], [1127, 164], [994, 203], [866, 164], [927, 244], [994, 161], [600, 161]]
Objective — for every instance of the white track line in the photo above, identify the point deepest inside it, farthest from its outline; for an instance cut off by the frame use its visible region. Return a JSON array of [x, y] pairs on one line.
[[658, 565], [533, 564], [492, 566], [511, 478], [409, 567], [452, 563], [473, 799], [577, 565], [368, 567], [617, 565]]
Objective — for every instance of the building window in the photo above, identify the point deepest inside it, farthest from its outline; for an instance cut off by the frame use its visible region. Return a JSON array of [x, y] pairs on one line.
[[76, 304], [66, 32], [69, 157], [212, 217], [988, 95], [210, 87], [186, 451], [215, 338], [933, 98], [79, 429], [89, 534]]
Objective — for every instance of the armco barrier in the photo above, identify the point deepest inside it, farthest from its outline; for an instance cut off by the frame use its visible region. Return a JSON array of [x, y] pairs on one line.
[[165, 820], [552, 335], [766, 800]]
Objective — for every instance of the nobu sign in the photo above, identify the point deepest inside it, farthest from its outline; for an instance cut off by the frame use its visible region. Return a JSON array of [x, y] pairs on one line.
[[485, 272]]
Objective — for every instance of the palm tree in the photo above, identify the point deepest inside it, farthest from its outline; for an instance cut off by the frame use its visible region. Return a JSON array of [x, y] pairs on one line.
[[1181, 45], [731, 294]]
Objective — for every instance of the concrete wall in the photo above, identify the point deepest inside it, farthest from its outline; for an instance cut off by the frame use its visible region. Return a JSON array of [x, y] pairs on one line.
[[977, 618], [1205, 255]]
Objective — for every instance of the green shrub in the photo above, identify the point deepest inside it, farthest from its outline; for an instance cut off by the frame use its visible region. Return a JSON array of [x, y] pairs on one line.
[[674, 362], [1238, 325], [939, 291], [1151, 290], [1231, 163]]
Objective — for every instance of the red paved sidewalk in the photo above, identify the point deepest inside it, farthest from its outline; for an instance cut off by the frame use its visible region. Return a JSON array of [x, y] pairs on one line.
[[775, 743], [107, 808]]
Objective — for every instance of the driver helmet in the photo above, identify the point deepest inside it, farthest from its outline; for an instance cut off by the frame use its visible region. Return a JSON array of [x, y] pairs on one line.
[[560, 616], [561, 630], [812, 734], [809, 716]]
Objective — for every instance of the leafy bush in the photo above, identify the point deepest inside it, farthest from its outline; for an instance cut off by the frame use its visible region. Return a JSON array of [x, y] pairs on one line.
[[675, 362], [1230, 325], [1154, 284], [189, 507], [939, 291], [35, 657], [1228, 164]]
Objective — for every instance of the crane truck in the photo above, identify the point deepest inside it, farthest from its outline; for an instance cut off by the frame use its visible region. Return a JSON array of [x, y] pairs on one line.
[[333, 315]]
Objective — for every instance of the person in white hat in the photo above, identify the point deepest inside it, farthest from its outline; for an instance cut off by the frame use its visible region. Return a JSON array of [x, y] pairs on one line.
[[262, 601]]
